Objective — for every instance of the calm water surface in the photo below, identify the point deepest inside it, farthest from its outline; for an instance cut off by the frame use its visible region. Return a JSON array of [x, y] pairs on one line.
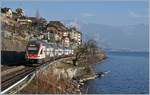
[[128, 74]]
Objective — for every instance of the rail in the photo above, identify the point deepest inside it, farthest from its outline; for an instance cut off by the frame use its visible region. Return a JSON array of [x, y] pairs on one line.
[[17, 82], [10, 85]]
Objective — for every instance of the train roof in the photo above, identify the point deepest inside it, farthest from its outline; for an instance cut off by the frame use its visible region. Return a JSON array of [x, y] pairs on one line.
[[37, 42], [54, 45]]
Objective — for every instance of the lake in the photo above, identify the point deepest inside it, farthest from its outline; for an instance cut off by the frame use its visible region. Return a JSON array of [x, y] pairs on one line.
[[129, 74]]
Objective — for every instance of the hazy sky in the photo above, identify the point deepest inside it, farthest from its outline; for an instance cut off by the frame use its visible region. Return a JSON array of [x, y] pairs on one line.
[[102, 12]]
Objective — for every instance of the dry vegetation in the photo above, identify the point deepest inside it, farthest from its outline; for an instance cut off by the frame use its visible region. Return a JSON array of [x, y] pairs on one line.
[[13, 44], [48, 83]]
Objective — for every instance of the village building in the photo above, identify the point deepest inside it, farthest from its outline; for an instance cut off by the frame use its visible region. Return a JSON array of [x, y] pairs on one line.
[[7, 12], [20, 12], [24, 20], [57, 29], [66, 42], [54, 33], [76, 37], [38, 21], [65, 34]]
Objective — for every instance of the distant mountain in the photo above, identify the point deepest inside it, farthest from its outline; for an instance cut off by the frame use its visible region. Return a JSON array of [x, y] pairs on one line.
[[129, 38]]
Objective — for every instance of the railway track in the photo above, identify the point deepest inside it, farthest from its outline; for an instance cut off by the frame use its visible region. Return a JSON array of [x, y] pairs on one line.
[[9, 80]]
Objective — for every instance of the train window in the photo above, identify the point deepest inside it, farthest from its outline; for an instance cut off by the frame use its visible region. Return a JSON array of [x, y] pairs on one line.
[[41, 51], [32, 51]]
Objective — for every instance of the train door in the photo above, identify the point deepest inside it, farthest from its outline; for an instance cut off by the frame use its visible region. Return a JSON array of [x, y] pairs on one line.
[[42, 53]]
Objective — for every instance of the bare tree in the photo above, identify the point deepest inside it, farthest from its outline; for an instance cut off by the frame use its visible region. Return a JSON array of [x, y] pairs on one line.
[[85, 51]]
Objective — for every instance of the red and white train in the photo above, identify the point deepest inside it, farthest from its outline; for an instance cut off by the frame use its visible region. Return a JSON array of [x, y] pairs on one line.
[[39, 51]]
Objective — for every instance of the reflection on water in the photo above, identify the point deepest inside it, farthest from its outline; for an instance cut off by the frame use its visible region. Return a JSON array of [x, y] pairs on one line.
[[129, 74]]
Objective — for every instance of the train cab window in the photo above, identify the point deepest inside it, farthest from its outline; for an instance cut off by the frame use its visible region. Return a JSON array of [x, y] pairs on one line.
[[41, 51], [32, 50]]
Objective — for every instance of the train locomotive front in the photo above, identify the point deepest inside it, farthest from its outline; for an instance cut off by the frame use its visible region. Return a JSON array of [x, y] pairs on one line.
[[35, 52]]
